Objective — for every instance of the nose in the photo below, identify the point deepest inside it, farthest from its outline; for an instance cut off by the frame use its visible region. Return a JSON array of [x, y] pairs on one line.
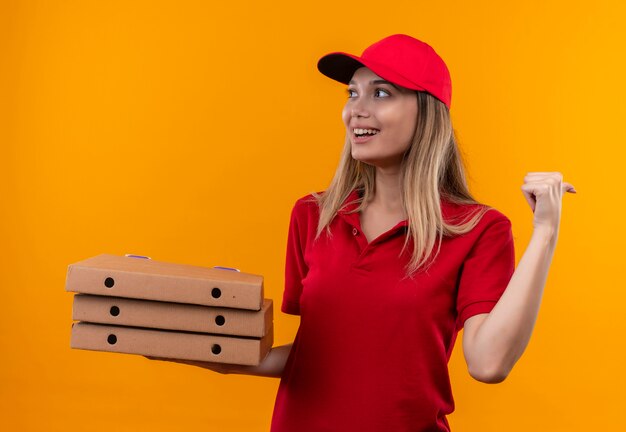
[[358, 109]]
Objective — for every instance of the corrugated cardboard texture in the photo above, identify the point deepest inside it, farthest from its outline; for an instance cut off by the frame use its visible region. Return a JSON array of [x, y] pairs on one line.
[[173, 316], [171, 344], [118, 276]]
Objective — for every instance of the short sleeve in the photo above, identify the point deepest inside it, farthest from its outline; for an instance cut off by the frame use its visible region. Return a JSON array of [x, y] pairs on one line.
[[295, 266], [486, 271]]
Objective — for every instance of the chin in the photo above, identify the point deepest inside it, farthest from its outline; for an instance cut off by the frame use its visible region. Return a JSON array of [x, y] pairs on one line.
[[360, 158], [370, 162], [375, 162], [365, 157]]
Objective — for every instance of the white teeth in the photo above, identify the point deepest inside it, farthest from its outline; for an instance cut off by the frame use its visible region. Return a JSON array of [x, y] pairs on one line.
[[358, 131]]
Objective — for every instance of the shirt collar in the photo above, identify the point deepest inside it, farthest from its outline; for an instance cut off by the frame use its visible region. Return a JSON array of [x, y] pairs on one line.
[[351, 203]]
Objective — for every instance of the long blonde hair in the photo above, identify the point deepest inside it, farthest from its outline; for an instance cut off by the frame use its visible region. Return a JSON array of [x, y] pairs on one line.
[[432, 169]]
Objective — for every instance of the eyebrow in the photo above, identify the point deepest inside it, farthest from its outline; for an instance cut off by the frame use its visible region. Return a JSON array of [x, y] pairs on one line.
[[378, 81]]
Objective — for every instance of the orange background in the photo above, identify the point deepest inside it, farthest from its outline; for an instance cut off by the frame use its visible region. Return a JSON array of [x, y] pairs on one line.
[[186, 130]]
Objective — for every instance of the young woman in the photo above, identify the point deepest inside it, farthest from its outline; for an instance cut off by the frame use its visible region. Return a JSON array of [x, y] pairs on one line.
[[395, 257]]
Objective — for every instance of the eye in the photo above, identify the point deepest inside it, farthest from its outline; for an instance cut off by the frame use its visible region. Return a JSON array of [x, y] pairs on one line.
[[350, 91], [387, 94]]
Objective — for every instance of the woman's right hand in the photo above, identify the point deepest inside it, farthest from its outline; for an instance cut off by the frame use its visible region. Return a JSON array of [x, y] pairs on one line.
[[222, 368], [271, 366]]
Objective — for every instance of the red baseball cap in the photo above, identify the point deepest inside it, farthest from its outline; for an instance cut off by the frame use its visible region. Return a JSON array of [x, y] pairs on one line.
[[400, 59]]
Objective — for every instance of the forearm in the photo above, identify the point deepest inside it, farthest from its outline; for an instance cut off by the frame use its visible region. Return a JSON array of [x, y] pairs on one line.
[[504, 334], [271, 366]]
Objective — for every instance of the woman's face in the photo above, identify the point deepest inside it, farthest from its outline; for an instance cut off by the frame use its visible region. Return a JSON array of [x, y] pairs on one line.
[[389, 111]]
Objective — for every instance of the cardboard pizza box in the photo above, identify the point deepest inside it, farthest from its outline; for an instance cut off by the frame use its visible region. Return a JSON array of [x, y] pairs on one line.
[[120, 276], [173, 316], [171, 344]]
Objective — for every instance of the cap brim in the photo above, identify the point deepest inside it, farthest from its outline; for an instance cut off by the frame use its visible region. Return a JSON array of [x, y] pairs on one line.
[[341, 66]]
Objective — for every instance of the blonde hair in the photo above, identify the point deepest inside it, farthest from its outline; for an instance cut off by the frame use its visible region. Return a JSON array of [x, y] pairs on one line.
[[432, 169]]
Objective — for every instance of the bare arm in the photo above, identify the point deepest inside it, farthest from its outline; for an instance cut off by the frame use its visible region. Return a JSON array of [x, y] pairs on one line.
[[271, 366], [493, 342]]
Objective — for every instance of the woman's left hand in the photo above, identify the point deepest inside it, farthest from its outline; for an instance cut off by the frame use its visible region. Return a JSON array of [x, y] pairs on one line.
[[544, 193]]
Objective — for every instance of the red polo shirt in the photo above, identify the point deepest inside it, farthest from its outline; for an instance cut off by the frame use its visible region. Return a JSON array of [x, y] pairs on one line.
[[372, 349]]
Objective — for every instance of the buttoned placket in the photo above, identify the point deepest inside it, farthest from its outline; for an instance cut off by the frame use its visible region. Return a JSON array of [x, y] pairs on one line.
[[354, 222], [364, 247]]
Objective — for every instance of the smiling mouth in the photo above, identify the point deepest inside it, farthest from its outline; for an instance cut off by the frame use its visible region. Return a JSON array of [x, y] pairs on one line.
[[364, 132]]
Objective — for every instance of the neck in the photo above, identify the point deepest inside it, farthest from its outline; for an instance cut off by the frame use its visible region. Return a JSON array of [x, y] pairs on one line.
[[388, 195]]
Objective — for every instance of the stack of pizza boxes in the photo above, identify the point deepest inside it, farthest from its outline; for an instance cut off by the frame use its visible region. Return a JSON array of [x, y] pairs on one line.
[[133, 305]]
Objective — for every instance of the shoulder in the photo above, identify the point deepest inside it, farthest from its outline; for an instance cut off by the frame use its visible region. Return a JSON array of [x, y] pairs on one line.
[[492, 223], [492, 217], [306, 209], [459, 213], [306, 203], [307, 200]]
